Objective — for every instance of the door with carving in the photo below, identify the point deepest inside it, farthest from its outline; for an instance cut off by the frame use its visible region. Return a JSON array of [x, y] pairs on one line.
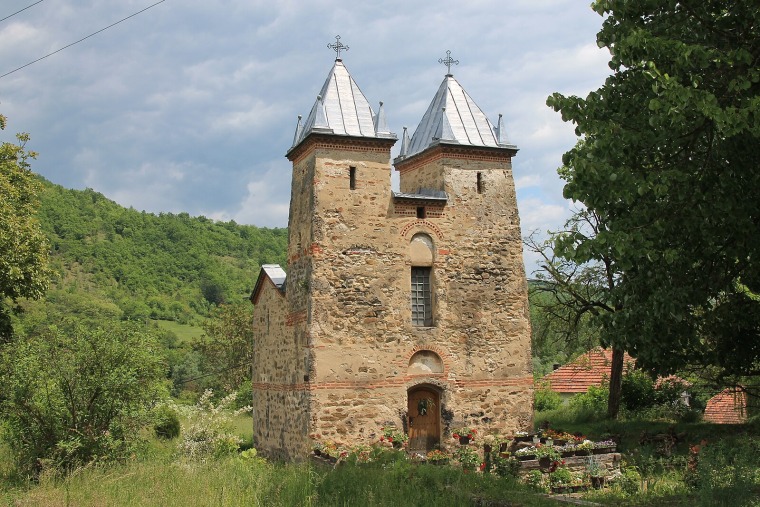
[[424, 412]]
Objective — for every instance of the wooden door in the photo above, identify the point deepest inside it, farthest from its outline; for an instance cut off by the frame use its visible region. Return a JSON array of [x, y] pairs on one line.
[[424, 412]]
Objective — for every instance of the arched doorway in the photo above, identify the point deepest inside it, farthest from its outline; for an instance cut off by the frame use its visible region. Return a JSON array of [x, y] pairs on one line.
[[424, 413]]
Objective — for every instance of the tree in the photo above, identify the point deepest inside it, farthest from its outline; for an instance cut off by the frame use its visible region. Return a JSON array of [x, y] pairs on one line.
[[668, 163], [227, 346], [79, 396], [23, 247], [575, 292]]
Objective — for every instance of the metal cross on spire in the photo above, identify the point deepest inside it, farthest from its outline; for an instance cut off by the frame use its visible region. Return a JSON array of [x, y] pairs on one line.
[[447, 62], [337, 47]]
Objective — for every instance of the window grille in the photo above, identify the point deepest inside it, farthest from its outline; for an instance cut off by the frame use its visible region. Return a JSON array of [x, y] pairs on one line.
[[422, 307]]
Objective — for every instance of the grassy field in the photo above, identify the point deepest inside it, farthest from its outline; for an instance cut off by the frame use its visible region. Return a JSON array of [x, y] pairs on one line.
[[185, 333]]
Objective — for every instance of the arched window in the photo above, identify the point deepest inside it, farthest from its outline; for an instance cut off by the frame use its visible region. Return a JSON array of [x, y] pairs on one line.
[[424, 362], [421, 255]]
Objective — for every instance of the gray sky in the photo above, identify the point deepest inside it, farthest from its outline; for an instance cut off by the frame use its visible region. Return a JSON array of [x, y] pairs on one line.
[[192, 104]]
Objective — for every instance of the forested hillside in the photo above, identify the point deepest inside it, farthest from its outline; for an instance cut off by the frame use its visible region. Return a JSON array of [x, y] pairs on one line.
[[116, 263]]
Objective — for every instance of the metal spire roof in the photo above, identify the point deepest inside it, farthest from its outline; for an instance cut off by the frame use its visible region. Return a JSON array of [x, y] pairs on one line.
[[453, 117], [342, 109]]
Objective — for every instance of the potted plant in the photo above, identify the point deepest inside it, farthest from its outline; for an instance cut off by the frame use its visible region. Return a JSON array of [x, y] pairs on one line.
[[546, 455], [488, 443], [522, 436], [604, 447], [526, 453], [464, 435], [596, 472], [560, 480], [438, 457], [397, 438], [584, 448], [467, 458]]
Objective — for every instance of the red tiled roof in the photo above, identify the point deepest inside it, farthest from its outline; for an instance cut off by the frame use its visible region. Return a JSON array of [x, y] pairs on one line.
[[727, 407], [590, 369]]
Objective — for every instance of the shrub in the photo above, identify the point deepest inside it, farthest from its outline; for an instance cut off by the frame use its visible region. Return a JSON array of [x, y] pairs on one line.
[[637, 390], [208, 434], [727, 472], [546, 399], [166, 424], [590, 405], [77, 397], [629, 481]]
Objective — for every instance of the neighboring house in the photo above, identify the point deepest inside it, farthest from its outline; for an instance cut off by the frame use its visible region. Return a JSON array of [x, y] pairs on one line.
[[400, 308], [727, 407], [589, 369]]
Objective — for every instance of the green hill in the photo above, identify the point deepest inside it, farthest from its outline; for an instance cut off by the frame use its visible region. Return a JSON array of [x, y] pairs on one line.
[[111, 262]]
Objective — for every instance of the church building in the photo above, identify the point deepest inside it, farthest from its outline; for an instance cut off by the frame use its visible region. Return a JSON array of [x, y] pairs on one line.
[[403, 308]]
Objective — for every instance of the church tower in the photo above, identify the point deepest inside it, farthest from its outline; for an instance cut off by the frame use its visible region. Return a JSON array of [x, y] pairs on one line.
[[408, 308]]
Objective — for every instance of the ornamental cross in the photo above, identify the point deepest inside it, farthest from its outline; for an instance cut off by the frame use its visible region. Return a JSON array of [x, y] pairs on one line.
[[447, 62], [337, 47]]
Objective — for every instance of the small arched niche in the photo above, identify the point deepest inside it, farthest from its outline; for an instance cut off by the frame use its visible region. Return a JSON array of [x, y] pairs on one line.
[[421, 250], [425, 362]]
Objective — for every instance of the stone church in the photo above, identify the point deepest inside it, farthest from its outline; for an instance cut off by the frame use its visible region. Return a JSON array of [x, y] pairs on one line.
[[406, 308]]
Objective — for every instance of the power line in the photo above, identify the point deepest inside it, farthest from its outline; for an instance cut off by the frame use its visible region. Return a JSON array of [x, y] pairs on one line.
[[82, 39], [22, 10]]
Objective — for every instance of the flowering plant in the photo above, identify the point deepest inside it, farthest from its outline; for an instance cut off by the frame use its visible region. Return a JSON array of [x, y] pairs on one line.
[[467, 457], [604, 444], [437, 455], [547, 451], [526, 451], [465, 433], [586, 445], [392, 434]]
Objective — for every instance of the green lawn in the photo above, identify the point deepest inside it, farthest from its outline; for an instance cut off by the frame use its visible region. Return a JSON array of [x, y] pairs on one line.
[[185, 333]]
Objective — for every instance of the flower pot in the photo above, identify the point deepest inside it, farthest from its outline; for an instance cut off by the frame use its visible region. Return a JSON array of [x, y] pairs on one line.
[[567, 454], [604, 450], [464, 440], [503, 446], [545, 462], [526, 457], [503, 454], [597, 482], [487, 448], [560, 441], [582, 452]]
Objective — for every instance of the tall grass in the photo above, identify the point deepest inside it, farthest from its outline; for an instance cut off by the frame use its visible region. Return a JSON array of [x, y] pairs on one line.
[[238, 482]]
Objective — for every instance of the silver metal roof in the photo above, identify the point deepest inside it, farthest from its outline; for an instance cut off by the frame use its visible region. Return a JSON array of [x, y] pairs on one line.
[[423, 194], [453, 117], [341, 108], [275, 273]]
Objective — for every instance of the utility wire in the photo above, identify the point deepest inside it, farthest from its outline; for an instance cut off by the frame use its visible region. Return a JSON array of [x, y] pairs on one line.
[[22, 10], [82, 39]]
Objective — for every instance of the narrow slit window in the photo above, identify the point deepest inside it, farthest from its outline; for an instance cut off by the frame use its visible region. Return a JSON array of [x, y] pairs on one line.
[[422, 300], [480, 183], [421, 212], [352, 178]]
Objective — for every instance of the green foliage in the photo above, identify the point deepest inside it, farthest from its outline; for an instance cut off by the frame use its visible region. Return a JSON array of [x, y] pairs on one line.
[[227, 345], [76, 397], [667, 160], [591, 405], [136, 266], [728, 473], [207, 434], [545, 399], [166, 422], [23, 248], [638, 390]]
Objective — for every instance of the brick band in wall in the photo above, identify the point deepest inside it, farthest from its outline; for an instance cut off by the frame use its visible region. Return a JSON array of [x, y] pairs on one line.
[[398, 382]]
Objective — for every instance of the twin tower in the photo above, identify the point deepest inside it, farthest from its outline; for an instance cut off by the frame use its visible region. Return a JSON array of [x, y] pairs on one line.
[[400, 308]]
